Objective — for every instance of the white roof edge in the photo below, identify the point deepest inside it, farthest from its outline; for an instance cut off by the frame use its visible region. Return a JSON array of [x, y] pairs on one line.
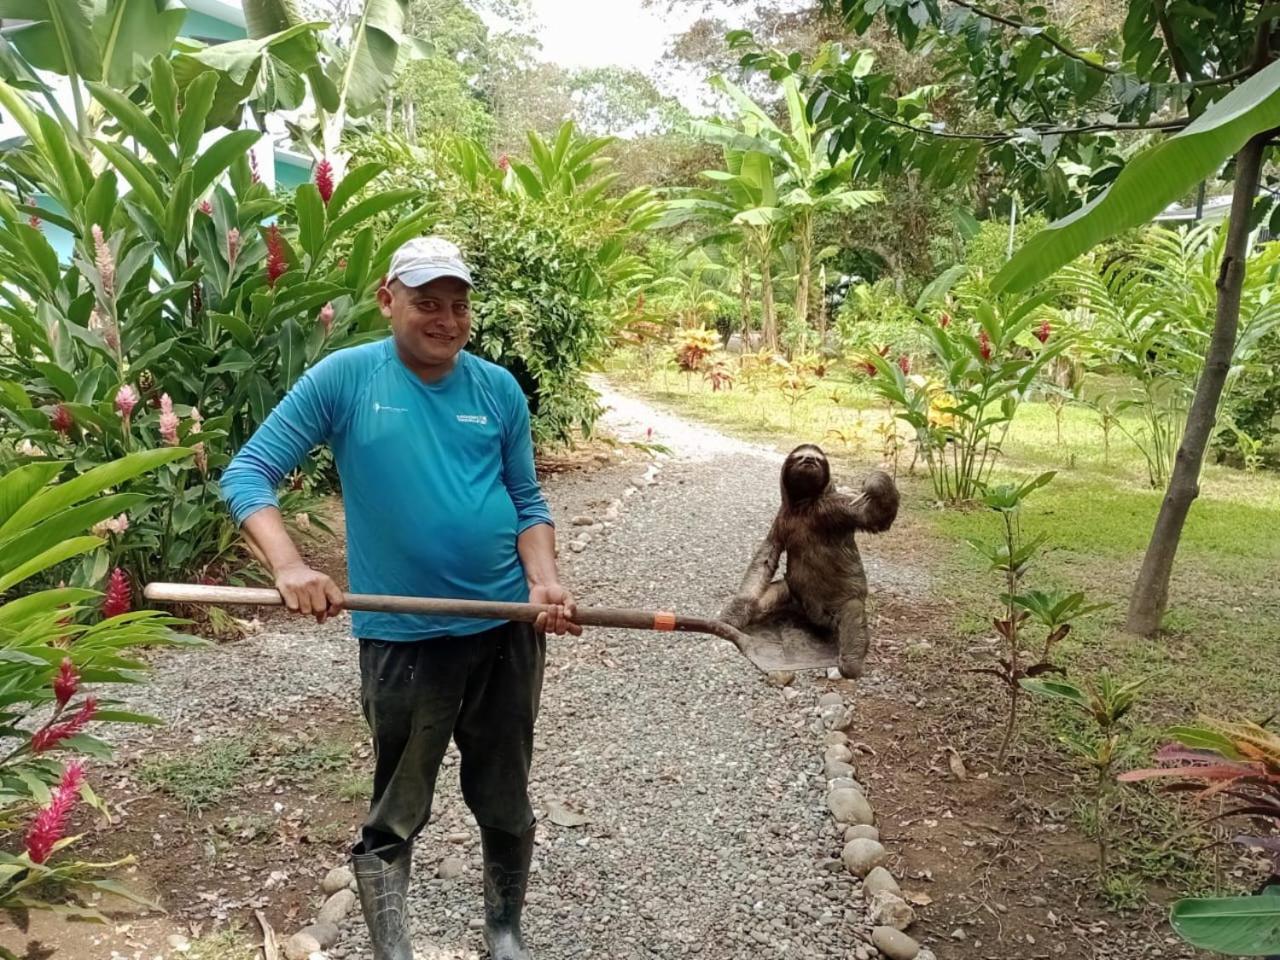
[[228, 11]]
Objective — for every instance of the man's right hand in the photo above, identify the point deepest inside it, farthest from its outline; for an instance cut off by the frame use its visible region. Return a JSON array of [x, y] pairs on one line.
[[308, 591]]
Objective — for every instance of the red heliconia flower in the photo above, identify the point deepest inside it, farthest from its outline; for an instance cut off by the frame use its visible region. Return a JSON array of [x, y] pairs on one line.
[[277, 263], [984, 344], [50, 823], [904, 364], [504, 163], [118, 598], [62, 420], [66, 682], [206, 208], [49, 737], [1044, 332], [324, 180], [944, 320]]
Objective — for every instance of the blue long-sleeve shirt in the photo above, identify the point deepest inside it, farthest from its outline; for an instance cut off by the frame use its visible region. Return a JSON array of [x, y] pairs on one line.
[[437, 479]]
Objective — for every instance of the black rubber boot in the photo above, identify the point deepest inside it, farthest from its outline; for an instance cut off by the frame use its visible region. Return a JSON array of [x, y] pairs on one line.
[[383, 888], [506, 877]]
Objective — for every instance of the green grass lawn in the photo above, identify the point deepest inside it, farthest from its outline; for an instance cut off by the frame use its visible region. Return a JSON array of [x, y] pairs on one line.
[[1220, 652]]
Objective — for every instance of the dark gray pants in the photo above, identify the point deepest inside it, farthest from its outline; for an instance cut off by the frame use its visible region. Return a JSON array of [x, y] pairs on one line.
[[483, 690]]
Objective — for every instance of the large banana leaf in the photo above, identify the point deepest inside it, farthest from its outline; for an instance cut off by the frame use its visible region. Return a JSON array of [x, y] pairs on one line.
[[107, 40], [1152, 180], [1235, 926], [265, 17], [372, 56]]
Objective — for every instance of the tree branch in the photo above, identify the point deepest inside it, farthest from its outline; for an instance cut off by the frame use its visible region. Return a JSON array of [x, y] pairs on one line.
[[1022, 25], [1175, 52], [1044, 131]]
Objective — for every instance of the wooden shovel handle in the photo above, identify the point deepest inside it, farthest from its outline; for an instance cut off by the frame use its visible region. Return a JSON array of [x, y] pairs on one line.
[[472, 609]]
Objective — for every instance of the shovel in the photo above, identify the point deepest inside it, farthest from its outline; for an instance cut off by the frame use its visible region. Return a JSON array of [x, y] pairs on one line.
[[772, 648]]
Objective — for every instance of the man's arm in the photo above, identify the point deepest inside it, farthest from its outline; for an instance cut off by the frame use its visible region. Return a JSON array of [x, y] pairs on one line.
[[303, 419], [536, 535]]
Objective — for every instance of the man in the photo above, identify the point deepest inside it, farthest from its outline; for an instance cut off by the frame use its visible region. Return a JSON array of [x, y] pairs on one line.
[[436, 459]]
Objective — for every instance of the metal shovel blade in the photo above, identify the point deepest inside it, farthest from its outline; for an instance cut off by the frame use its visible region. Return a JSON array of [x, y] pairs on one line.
[[785, 643]]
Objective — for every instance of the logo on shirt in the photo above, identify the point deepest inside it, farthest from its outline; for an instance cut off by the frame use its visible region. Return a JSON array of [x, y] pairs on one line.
[[383, 408], [473, 418]]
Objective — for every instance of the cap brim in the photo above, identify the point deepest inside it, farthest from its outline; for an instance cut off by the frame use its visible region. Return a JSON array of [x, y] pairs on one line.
[[424, 275]]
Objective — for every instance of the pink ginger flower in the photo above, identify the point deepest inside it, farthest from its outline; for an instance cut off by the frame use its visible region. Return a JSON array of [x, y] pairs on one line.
[[904, 364], [233, 246], [50, 824], [62, 420], [104, 261], [34, 222], [206, 208], [277, 263], [326, 318], [126, 400], [253, 167], [504, 163], [118, 598], [168, 421], [324, 180], [116, 525], [66, 682], [1044, 332], [201, 456], [46, 738]]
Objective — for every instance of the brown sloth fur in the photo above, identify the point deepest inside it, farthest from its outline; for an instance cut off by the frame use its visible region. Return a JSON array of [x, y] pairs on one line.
[[825, 584]]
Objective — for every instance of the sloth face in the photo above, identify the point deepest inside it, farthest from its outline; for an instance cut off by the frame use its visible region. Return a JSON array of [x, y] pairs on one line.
[[805, 474]]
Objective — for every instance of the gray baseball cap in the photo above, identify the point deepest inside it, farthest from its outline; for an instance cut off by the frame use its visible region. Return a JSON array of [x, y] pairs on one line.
[[424, 259]]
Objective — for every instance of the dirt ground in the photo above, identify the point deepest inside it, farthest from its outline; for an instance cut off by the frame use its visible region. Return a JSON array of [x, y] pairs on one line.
[[993, 863]]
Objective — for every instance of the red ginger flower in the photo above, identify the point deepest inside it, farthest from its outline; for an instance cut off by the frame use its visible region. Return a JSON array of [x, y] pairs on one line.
[[1044, 332], [944, 320], [50, 824], [324, 180], [984, 344], [48, 737], [118, 597], [62, 420], [277, 263], [904, 364], [66, 682]]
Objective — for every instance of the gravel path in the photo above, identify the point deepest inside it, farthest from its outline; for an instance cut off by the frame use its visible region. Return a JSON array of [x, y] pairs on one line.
[[706, 828]]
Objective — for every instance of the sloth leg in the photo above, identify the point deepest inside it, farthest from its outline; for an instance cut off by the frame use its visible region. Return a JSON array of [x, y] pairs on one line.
[[745, 607], [852, 637]]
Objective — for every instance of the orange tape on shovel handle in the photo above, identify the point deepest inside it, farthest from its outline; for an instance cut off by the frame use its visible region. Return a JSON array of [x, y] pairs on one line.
[[664, 621]]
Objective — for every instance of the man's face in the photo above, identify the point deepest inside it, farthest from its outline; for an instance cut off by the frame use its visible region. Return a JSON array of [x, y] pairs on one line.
[[431, 323]]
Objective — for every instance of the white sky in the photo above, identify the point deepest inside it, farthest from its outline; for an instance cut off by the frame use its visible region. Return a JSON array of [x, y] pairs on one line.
[[597, 33]]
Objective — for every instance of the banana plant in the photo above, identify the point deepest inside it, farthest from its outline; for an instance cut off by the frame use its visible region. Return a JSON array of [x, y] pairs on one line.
[[109, 41], [358, 77]]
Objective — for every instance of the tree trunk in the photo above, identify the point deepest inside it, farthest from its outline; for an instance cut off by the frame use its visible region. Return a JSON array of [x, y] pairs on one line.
[[1151, 592], [769, 322], [804, 256], [744, 291]]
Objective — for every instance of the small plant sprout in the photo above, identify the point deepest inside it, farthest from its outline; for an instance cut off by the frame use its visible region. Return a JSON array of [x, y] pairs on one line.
[[1104, 703], [1011, 557]]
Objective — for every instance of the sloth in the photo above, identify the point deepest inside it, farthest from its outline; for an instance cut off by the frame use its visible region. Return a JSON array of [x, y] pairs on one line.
[[825, 584]]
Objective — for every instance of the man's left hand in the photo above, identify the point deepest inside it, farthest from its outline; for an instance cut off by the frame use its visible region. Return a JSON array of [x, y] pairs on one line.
[[560, 619]]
